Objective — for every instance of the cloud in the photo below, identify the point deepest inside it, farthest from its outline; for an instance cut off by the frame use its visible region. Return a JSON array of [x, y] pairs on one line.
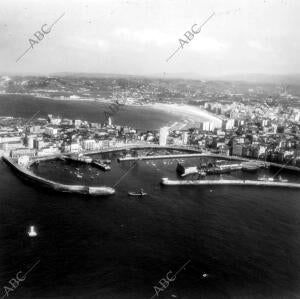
[[205, 44], [144, 37], [91, 43], [256, 45]]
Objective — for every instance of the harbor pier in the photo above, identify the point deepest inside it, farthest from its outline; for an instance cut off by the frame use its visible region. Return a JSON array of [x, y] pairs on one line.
[[79, 189], [167, 182]]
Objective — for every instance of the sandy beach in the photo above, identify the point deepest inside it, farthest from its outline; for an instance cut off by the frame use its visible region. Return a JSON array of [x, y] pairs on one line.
[[191, 114], [188, 116]]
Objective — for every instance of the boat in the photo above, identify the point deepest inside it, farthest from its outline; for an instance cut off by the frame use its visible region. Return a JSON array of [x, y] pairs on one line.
[[79, 176], [190, 170], [218, 170], [262, 178], [183, 171], [101, 165], [79, 158], [202, 173], [266, 179], [249, 167], [280, 179], [141, 193], [107, 161]]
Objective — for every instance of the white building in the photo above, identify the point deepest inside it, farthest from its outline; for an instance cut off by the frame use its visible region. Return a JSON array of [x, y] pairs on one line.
[[23, 160], [51, 131], [55, 121], [77, 122], [73, 147], [228, 124], [89, 144], [185, 137], [206, 126], [48, 151], [163, 135]]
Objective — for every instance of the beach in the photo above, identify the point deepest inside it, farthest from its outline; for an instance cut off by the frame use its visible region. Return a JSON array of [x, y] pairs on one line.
[[193, 115]]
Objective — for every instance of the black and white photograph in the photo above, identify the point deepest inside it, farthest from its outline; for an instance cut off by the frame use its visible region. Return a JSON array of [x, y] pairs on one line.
[[150, 149]]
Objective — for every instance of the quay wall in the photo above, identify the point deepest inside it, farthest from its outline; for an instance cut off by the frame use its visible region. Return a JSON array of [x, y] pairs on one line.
[[167, 182], [24, 172], [182, 156], [175, 147]]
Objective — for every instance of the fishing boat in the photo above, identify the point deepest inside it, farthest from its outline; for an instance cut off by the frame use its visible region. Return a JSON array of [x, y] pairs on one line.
[[280, 179], [101, 165], [249, 167], [107, 161], [266, 179], [141, 193]]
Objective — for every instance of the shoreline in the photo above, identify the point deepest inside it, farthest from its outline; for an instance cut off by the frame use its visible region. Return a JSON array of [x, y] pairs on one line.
[[189, 115], [192, 112]]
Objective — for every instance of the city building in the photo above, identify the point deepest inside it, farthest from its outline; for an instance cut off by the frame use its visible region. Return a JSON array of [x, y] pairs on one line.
[[163, 135]]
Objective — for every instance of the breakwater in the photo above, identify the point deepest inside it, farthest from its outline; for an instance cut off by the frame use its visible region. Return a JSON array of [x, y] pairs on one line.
[[167, 182], [182, 156], [80, 189]]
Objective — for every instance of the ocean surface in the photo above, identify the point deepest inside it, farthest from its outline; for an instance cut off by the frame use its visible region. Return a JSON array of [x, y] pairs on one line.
[[235, 242], [138, 117]]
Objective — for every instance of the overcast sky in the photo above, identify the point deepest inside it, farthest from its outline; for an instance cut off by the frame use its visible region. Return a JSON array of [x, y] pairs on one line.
[[137, 36]]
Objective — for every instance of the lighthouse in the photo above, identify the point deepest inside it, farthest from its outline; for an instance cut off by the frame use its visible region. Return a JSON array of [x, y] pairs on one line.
[[32, 232]]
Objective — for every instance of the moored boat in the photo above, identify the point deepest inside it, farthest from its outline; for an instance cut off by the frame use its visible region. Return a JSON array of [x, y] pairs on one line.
[[141, 193]]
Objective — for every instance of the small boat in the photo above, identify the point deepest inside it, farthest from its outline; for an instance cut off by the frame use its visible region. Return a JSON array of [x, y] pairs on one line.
[[280, 179], [79, 176], [107, 161], [141, 193]]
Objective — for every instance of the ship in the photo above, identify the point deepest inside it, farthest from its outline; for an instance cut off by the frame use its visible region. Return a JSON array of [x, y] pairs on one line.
[[250, 167], [218, 170], [280, 179], [140, 193], [271, 179], [101, 165], [107, 161], [265, 178], [79, 158], [183, 171]]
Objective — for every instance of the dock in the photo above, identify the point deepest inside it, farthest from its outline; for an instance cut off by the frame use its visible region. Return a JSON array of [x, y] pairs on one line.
[[79, 189], [167, 182], [178, 157]]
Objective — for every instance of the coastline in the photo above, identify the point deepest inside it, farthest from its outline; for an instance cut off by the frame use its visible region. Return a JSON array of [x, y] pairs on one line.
[[188, 116], [193, 114]]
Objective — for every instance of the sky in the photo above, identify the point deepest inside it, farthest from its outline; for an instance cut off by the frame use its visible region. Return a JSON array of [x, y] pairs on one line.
[[138, 36]]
